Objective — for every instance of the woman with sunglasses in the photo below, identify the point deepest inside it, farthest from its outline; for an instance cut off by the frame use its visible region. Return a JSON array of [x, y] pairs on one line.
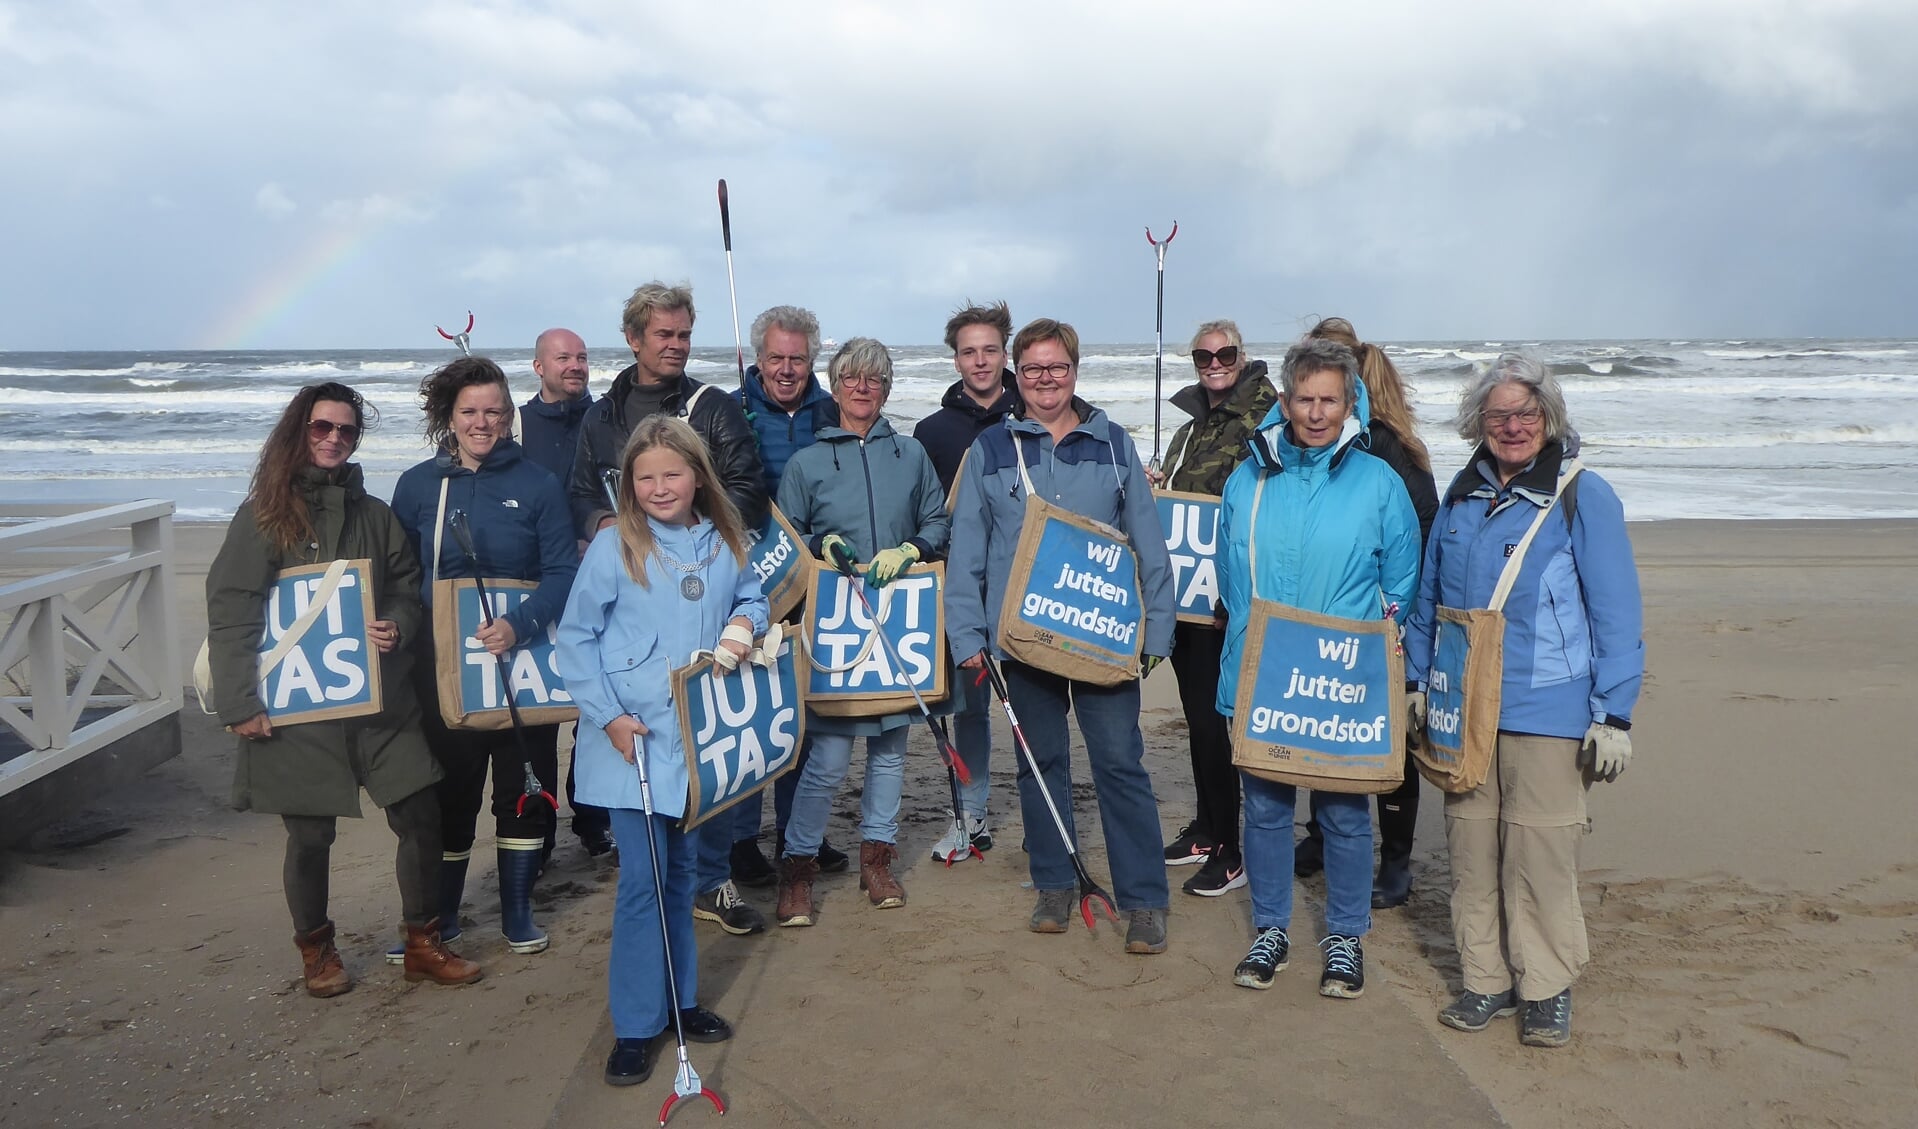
[[1226, 403], [519, 520], [308, 505]]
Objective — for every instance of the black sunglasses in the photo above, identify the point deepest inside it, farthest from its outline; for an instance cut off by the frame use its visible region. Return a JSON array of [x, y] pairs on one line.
[[319, 429], [1203, 358]]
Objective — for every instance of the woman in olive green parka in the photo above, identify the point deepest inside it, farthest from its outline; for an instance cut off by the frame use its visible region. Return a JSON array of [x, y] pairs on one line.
[[308, 505]]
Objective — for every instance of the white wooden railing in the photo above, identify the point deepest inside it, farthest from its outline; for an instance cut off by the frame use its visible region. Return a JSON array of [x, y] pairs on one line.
[[88, 638]]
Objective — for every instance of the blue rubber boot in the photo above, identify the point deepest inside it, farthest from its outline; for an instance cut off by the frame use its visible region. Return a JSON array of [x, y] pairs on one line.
[[518, 868], [452, 890]]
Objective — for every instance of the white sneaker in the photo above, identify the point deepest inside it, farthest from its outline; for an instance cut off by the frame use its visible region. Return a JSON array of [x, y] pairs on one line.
[[955, 845]]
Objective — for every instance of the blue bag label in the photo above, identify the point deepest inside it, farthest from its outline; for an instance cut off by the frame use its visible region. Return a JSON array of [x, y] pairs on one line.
[[333, 671], [740, 730], [531, 668], [850, 665], [1191, 524]]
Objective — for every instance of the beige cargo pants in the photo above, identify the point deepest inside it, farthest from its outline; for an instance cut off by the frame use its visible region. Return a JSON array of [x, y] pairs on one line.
[[1514, 843]]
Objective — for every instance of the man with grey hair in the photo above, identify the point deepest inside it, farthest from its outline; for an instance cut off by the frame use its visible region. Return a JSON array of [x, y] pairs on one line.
[[786, 406]]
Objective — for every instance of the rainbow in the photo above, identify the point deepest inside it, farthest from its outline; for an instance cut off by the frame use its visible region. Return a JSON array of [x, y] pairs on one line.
[[268, 302]]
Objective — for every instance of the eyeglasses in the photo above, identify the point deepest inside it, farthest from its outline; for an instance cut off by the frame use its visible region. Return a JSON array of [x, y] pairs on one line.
[[863, 380], [1058, 371], [1495, 418], [1202, 358], [319, 429]]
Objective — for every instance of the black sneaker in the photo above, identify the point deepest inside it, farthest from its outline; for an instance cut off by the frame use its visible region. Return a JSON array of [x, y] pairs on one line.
[[1475, 1012], [1344, 975], [1190, 848], [1222, 871], [701, 1026], [1270, 953], [597, 842], [731, 911], [750, 867], [831, 861], [1547, 1023]]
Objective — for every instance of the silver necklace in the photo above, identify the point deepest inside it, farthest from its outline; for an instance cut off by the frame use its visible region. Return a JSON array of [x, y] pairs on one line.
[[691, 586]]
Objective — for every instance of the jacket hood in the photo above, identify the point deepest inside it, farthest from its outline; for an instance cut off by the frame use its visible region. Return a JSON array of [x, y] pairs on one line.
[[1193, 401], [1272, 443], [347, 476], [565, 411], [958, 400], [1538, 482], [504, 454]]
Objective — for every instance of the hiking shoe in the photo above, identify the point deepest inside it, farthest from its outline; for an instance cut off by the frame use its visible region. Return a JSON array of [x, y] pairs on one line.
[[1308, 858], [1053, 911], [750, 867], [1271, 951], [796, 876], [1190, 848], [1474, 1012], [1547, 1023], [1344, 975], [725, 906], [1145, 931], [876, 877], [1222, 871], [957, 844]]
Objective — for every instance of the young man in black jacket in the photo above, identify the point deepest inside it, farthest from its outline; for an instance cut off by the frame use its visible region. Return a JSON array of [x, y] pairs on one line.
[[985, 393], [658, 323]]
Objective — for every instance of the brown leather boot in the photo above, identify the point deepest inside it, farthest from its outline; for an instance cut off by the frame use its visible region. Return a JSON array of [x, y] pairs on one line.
[[796, 876], [875, 874], [428, 958], [320, 961]]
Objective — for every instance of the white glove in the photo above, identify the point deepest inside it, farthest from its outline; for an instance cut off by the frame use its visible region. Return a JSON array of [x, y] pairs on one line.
[[1606, 752], [1415, 717], [724, 657], [767, 653]]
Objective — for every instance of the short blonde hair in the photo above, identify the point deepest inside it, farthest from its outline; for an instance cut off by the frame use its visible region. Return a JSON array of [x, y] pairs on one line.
[[652, 296]]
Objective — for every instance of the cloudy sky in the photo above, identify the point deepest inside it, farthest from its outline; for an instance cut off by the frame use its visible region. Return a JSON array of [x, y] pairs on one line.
[[181, 174]]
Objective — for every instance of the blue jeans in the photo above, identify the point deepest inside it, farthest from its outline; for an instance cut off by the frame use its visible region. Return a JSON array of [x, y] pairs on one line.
[[1346, 820], [751, 814], [636, 988], [972, 733], [713, 845], [1128, 811], [878, 807]]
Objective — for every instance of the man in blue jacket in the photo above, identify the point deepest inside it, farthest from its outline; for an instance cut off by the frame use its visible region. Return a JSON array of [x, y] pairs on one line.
[[786, 406], [549, 435], [985, 393]]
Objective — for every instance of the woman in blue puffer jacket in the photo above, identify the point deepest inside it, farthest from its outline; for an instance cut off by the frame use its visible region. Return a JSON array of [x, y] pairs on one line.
[[1336, 535], [1574, 658]]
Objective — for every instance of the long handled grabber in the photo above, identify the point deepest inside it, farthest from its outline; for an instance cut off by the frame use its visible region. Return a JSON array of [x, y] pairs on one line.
[[464, 338], [1090, 892], [726, 230], [609, 483], [1158, 355], [955, 768], [686, 1083], [456, 521]]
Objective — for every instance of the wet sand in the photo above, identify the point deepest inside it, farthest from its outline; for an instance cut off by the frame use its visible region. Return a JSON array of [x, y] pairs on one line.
[[1751, 887]]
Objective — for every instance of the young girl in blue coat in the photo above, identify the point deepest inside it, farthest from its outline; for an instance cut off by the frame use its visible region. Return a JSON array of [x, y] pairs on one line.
[[667, 581]]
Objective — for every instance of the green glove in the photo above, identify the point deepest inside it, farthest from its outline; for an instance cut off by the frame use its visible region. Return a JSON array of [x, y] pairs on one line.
[[837, 551], [1150, 664], [887, 564]]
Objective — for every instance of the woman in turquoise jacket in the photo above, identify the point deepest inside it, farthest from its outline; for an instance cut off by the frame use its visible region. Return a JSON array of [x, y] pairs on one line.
[[1574, 658], [863, 492], [1336, 535]]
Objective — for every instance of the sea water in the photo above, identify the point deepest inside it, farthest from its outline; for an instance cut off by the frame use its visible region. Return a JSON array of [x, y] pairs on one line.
[[1683, 429]]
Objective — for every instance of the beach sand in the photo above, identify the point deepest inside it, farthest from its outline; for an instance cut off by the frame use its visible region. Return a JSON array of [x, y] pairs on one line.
[[1751, 886]]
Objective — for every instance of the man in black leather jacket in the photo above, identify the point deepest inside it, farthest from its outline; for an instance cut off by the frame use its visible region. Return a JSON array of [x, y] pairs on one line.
[[658, 322]]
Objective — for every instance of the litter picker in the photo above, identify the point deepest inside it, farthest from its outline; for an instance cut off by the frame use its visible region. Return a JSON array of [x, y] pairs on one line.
[[463, 340], [457, 522], [1090, 892], [1158, 355], [686, 1083], [732, 291]]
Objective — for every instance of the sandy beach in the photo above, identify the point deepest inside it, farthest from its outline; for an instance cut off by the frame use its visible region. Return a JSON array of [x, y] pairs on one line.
[[1751, 886]]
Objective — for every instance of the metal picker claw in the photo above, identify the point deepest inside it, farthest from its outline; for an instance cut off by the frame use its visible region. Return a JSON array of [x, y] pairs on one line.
[[686, 1084], [463, 338], [533, 789]]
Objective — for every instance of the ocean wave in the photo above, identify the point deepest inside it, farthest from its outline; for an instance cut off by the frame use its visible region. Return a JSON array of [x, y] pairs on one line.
[[1799, 354], [1846, 433], [142, 382]]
